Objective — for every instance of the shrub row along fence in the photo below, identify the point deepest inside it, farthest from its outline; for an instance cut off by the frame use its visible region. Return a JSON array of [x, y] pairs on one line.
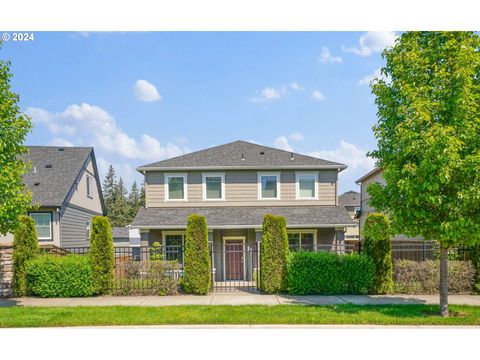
[[146, 270], [420, 251]]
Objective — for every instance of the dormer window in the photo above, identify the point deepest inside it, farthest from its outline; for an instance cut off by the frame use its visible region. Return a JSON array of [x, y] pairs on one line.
[[176, 187]]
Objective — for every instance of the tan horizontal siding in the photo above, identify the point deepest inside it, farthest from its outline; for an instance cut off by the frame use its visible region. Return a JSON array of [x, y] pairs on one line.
[[240, 187]]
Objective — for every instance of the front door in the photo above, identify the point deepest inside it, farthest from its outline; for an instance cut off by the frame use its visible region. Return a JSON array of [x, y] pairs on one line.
[[234, 254]]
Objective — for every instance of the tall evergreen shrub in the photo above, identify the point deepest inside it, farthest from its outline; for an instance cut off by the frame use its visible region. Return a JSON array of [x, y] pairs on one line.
[[101, 255], [25, 248], [196, 276], [378, 246], [274, 254]]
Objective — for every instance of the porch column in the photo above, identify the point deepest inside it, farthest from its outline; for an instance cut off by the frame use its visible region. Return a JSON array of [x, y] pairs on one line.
[[340, 239], [258, 238], [212, 257], [144, 242]]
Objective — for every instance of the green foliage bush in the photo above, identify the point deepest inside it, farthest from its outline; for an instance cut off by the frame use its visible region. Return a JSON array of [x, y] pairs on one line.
[[274, 254], [101, 255], [475, 258], [147, 278], [59, 276], [25, 248], [323, 273], [196, 278], [378, 246], [423, 277]]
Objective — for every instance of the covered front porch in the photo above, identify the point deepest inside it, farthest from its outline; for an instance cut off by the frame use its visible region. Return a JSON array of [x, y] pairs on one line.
[[235, 253]]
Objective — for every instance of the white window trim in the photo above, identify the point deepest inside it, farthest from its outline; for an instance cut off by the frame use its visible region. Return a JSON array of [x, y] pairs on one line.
[[169, 175], [89, 186], [259, 185], [50, 238], [297, 185], [165, 233], [305, 231], [204, 185]]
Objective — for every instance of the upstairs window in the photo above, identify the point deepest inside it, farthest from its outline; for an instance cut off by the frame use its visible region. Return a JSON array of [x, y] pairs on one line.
[[268, 186], [89, 186], [176, 187], [306, 186], [213, 186], [43, 225]]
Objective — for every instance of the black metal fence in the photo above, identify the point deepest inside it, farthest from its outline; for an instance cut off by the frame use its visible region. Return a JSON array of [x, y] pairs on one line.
[[235, 267], [420, 251], [148, 270]]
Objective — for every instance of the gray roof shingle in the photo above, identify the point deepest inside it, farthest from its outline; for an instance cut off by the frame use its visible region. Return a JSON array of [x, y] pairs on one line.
[[53, 172], [242, 154], [243, 216], [350, 198], [119, 232]]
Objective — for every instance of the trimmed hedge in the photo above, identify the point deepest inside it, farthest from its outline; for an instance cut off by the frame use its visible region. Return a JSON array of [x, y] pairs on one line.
[[156, 277], [323, 273], [102, 258], [423, 277], [196, 276], [25, 248], [378, 246], [59, 276], [274, 254]]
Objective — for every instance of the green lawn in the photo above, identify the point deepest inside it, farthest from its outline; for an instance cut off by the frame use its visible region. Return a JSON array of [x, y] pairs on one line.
[[255, 314]]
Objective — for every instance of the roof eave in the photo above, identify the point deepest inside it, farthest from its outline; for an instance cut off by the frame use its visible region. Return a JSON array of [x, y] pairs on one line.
[[367, 175], [339, 167], [259, 226]]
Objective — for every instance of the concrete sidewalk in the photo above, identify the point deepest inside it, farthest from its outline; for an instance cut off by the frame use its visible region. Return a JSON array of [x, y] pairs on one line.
[[240, 298]]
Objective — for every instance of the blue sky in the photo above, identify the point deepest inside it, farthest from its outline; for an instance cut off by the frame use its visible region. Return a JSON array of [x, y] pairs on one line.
[[142, 97]]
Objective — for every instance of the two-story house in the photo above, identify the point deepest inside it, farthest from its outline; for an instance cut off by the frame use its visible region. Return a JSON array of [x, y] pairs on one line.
[[66, 192], [350, 200], [234, 186], [376, 175]]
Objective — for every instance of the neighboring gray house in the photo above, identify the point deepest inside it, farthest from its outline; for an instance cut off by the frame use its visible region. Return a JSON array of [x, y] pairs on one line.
[[350, 200], [65, 185], [376, 175], [234, 186]]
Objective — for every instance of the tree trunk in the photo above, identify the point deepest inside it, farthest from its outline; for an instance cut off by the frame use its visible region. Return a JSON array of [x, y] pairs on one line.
[[443, 281]]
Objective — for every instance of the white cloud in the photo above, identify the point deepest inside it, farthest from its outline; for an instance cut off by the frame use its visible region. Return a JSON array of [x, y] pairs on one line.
[[96, 127], [317, 95], [296, 136], [267, 94], [60, 142], [373, 42], [271, 93], [296, 87], [282, 143], [327, 57], [348, 154], [146, 92], [366, 80]]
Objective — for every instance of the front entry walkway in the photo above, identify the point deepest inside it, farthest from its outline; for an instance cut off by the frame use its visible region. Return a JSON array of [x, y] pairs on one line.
[[239, 298]]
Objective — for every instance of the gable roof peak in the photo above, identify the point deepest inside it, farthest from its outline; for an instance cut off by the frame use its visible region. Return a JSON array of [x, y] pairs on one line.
[[243, 155]]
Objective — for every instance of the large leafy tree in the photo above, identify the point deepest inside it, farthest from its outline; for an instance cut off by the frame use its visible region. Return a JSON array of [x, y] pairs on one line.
[[428, 134], [14, 127]]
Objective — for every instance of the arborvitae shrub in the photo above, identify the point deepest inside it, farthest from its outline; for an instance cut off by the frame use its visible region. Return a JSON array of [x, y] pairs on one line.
[[101, 255], [25, 248], [196, 276], [274, 254], [378, 246]]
